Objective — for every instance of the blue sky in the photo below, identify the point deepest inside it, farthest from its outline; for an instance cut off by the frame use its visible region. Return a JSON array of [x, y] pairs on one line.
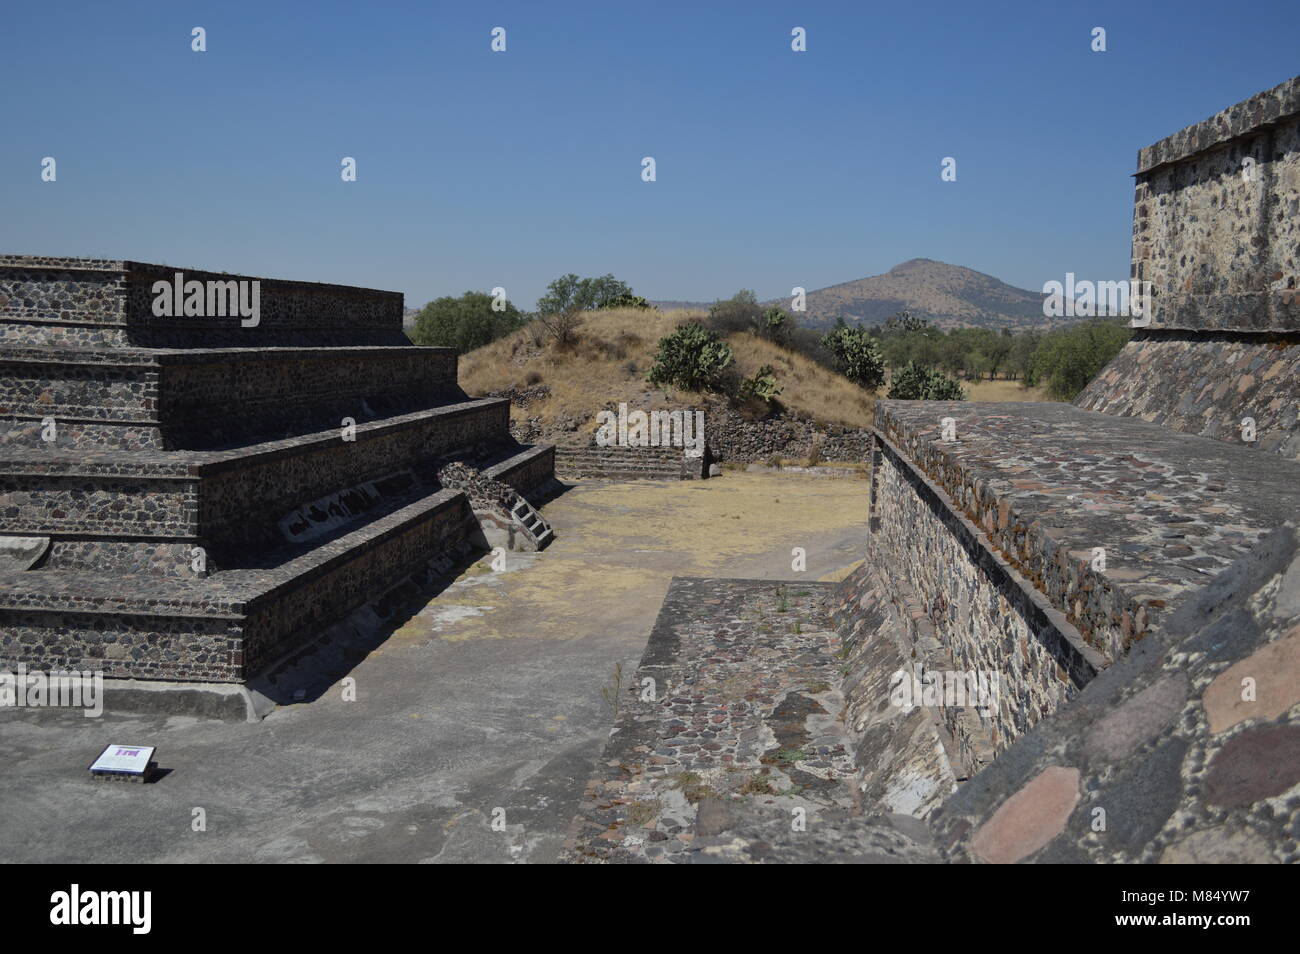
[[479, 169]]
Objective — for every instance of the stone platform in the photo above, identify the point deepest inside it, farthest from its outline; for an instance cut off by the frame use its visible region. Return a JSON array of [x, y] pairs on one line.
[[1048, 483], [750, 733], [1000, 536], [208, 497]]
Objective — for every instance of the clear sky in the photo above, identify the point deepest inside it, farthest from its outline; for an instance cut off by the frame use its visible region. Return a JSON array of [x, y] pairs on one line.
[[478, 169]]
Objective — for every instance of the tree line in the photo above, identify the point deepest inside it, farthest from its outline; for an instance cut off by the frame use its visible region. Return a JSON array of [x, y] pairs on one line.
[[475, 319], [919, 360], [927, 362]]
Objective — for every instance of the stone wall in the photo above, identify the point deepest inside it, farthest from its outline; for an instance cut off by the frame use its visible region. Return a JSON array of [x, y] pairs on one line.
[[1216, 234], [104, 505], [141, 646], [229, 628], [229, 501], [904, 754], [1162, 758], [987, 618], [528, 473], [1206, 383], [299, 387], [93, 303], [732, 438], [592, 462], [1215, 226], [324, 585], [241, 499]]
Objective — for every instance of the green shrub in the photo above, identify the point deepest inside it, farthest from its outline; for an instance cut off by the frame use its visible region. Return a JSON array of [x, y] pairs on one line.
[[857, 355], [776, 326], [914, 382], [627, 300], [762, 386], [464, 323], [740, 312], [691, 358]]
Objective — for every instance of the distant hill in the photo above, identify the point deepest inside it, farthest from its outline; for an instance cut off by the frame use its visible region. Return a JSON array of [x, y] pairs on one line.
[[948, 295]]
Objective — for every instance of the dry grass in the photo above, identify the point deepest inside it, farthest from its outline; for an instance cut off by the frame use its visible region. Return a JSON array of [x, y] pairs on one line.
[[1003, 391], [809, 388], [616, 348], [615, 351]]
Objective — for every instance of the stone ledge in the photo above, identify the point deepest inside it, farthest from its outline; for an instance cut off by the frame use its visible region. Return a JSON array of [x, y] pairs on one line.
[[230, 501], [1275, 105], [208, 398], [1184, 769], [1049, 482], [112, 462], [226, 702], [526, 470], [229, 593], [58, 303], [45, 263], [228, 626], [1086, 661]]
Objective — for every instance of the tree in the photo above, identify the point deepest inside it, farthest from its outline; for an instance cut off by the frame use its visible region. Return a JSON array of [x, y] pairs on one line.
[[954, 353], [1022, 356], [1068, 358], [464, 323], [912, 382], [559, 310], [740, 312], [998, 351], [570, 293], [856, 353], [905, 321], [691, 358]]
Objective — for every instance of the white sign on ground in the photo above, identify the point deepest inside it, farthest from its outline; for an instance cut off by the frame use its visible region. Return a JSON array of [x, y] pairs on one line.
[[126, 759]]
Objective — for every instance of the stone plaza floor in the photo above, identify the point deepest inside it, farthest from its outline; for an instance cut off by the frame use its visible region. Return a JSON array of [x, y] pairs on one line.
[[489, 698]]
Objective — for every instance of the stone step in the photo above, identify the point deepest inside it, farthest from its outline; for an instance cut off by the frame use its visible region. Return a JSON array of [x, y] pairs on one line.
[[622, 475], [598, 452], [631, 468], [161, 399], [527, 469], [631, 457], [95, 303], [235, 623], [112, 505], [622, 461]]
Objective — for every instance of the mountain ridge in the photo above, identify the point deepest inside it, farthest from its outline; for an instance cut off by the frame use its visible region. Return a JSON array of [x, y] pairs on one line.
[[947, 295]]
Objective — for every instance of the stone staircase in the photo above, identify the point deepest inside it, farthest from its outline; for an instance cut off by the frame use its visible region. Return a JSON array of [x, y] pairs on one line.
[[531, 522], [206, 498], [590, 461]]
